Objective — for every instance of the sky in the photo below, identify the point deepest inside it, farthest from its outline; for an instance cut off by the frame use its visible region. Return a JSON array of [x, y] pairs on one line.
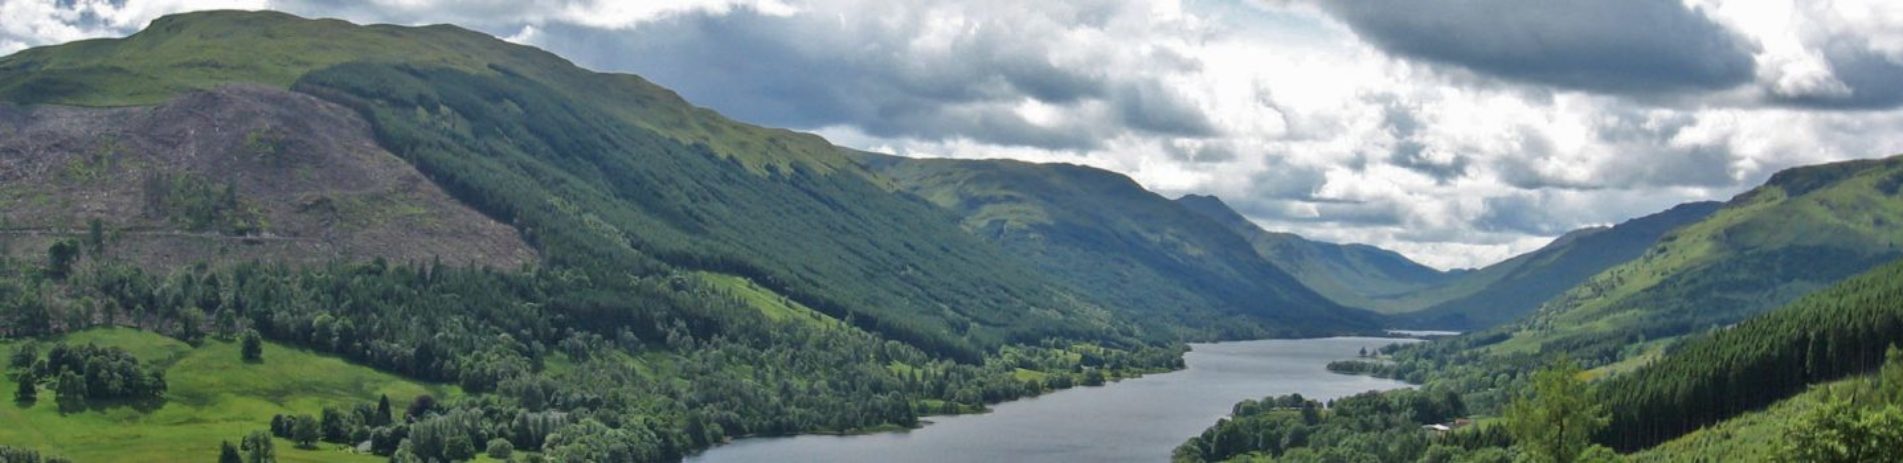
[[1457, 132]]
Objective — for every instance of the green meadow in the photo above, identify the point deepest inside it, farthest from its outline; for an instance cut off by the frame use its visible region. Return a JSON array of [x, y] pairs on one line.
[[213, 396]]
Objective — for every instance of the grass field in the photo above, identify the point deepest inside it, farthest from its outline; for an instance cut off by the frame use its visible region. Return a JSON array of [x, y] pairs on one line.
[[213, 396]]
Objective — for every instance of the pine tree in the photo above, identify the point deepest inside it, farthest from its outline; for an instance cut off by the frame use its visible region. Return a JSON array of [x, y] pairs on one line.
[[383, 410]]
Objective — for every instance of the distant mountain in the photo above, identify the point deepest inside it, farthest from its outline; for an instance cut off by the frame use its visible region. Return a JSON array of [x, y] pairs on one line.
[[1517, 286], [1355, 275], [1115, 241], [1804, 229]]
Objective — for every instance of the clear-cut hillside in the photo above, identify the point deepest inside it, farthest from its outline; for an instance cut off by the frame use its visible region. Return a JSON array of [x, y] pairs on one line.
[[236, 174]]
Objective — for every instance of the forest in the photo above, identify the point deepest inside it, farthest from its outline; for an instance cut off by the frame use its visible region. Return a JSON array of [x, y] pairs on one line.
[[495, 332]]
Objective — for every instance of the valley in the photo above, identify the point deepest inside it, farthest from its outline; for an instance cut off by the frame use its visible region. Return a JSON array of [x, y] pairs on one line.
[[255, 236]]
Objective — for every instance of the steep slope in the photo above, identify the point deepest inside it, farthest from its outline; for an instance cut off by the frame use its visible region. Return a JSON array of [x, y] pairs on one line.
[[1354, 275], [1114, 240], [1828, 335], [600, 172], [1804, 229], [1518, 286], [236, 174]]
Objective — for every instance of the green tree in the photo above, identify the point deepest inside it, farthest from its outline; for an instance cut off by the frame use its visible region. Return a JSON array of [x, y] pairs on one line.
[[500, 449], [1555, 423], [71, 391], [28, 392], [60, 258], [258, 448], [96, 237], [383, 410], [1838, 431], [228, 453], [23, 357], [253, 346], [305, 431], [459, 448]]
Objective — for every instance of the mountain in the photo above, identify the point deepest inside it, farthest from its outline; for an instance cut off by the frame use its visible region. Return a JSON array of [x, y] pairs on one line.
[[1113, 240], [594, 170], [1517, 286], [1804, 229], [567, 253], [1354, 275]]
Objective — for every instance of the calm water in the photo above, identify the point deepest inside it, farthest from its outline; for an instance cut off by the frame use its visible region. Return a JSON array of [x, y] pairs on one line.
[[1139, 420]]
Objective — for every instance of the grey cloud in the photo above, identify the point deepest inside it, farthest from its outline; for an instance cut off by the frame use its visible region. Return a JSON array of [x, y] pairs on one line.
[[1408, 152], [1521, 214], [1282, 181], [816, 69], [1875, 80], [1612, 46], [1207, 153], [1149, 106]]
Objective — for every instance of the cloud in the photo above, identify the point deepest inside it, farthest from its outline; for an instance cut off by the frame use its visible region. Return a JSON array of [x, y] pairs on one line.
[[1613, 46], [930, 70]]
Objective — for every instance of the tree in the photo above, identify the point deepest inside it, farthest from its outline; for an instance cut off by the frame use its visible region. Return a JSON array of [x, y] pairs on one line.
[[258, 448], [1838, 431], [253, 346], [60, 257], [23, 358], [419, 406], [1555, 423], [71, 391], [383, 410], [96, 237], [228, 453], [500, 449], [305, 431], [338, 425], [459, 448], [28, 391]]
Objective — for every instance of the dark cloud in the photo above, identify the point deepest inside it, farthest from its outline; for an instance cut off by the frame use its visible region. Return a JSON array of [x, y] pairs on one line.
[[1614, 46], [809, 71]]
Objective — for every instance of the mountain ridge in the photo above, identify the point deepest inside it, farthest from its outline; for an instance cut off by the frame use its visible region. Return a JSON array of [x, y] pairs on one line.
[[1356, 275]]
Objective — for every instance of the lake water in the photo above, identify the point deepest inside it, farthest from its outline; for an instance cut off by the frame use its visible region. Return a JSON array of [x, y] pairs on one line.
[[1135, 420]]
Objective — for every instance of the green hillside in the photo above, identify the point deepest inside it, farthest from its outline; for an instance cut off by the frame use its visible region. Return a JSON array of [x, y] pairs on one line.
[[214, 397], [1517, 286], [1830, 334], [609, 174], [1804, 229], [1104, 234], [204, 50], [1353, 275], [694, 279]]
